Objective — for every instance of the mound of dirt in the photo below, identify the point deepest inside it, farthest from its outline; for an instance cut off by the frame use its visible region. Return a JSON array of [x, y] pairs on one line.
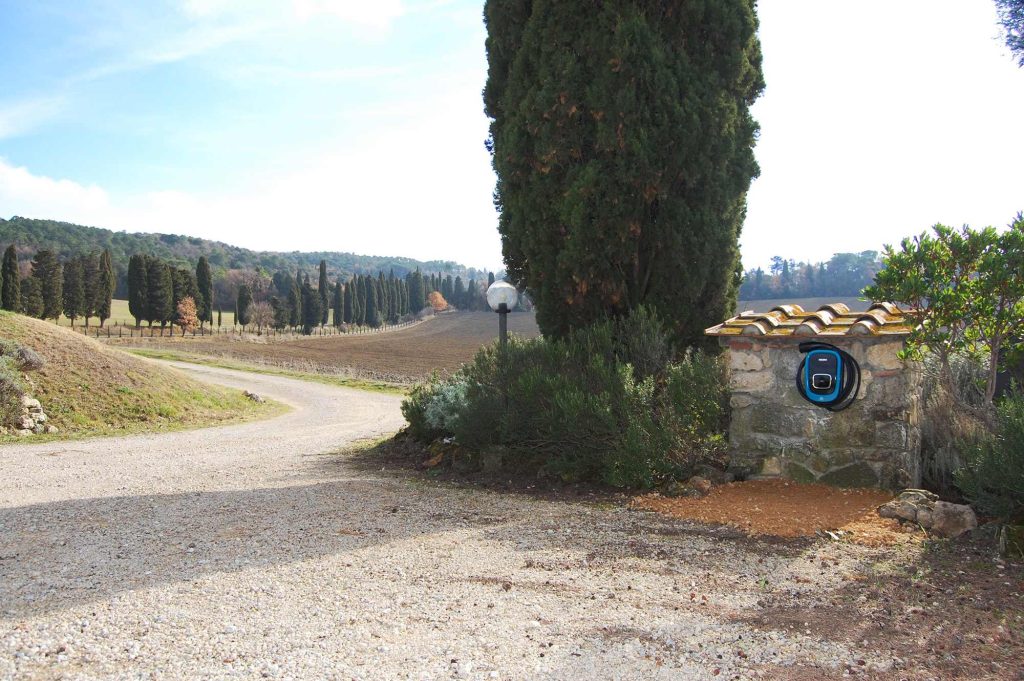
[[87, 388], [783, 508]]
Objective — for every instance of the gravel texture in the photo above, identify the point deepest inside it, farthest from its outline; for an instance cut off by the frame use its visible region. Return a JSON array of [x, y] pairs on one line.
[[264, 550]]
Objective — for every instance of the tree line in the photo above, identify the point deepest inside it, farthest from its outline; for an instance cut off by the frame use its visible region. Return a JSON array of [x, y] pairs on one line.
[[844, 274], [81, 287], [362, 300]]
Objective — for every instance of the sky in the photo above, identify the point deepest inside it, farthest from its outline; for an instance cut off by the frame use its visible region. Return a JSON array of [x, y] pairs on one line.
[[358, 126]]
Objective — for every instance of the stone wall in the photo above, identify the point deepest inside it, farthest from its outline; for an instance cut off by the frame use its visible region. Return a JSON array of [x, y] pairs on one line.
[[775, 432]]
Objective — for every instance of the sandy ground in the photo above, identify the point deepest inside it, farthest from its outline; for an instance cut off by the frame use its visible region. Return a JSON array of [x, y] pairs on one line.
[[271, 550]]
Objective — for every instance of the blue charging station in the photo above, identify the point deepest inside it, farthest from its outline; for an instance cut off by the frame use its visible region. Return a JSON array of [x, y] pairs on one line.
[[828, 376]]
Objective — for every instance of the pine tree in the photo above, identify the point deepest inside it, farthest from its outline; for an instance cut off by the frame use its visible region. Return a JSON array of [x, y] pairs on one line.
[[47, 271], [324, 290], [338, 304], [623, 145], [348, 302], [11, 277], [244, 304], [31, 297], [138, 296], [204, 301], [103, 294], [73, 289], [159, 291]]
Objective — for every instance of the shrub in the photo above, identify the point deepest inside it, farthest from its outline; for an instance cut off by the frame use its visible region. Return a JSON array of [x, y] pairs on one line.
[[992, 476], [11, 391], [605, 404]]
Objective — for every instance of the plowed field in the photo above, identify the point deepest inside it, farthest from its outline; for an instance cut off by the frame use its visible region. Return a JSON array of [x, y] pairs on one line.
[[405, 355]]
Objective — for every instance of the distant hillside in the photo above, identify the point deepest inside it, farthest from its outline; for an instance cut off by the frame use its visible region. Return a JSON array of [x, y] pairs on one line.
[[68, 239]]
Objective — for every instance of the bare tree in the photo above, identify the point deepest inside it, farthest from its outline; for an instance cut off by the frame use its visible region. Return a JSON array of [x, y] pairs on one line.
[[261, 314]]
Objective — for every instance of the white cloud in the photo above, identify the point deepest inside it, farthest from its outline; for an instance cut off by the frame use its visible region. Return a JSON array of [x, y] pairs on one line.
[[17, 118], [23, 193], [378, 14]]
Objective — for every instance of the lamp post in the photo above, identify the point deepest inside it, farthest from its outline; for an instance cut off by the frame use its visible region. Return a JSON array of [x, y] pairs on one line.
[[502, 297]]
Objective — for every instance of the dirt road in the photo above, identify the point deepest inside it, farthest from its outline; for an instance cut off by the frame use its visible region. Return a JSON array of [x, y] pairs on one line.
[[259, 551]]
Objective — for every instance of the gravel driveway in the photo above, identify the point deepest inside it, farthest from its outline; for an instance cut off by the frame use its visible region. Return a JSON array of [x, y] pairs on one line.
[[259, 550]]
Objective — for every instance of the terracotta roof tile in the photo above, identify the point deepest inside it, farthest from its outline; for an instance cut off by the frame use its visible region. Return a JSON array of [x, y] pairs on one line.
[[834, 319]]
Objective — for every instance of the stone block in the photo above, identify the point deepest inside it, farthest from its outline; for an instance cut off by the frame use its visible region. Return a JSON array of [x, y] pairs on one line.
[[751, 381], [771, 466], [891, 435], [740, 401], [798, 473], [882, 356], [858, 474], [745, 360]]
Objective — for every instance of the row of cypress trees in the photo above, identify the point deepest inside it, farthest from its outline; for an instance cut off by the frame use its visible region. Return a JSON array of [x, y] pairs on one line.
[[155, 287], [83, 286]]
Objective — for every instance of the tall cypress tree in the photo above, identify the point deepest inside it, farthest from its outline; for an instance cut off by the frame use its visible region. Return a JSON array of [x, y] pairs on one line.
[[106, 281], [90, 265], [623, 145], [338, 303], [11, 298], [31, 297], [311, 315], [138, 297], [324, 290], [295, 300], [204, 302], [159, 291], [244, 305], [73, 290], [372, 310], [47, 271]]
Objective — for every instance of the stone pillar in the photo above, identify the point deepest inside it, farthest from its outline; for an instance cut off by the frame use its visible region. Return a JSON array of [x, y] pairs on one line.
[[774, 432]]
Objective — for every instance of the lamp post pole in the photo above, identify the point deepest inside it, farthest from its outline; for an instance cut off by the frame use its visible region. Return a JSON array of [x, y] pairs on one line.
[[503, 325]]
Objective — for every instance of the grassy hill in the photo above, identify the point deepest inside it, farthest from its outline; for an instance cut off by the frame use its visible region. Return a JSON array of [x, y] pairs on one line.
[[67, 239], [87, 388]]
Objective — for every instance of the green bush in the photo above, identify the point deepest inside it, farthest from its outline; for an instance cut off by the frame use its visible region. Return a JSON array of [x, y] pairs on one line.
[[11, 391], [992, 476], [606, 404]]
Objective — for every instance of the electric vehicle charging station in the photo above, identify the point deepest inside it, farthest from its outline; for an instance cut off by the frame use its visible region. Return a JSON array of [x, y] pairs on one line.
[[827, 377]]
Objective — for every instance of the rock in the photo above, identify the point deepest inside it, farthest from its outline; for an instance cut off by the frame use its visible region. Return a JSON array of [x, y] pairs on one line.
[[1011, 541], [918, 495], [40, 417], [899, 509], [30, 403], [24, 432], [798, 473], [39, 429], [254, 397], [699, 484], [952, 520], [25, 423], [858, 474], [52, 430], [715, 475]]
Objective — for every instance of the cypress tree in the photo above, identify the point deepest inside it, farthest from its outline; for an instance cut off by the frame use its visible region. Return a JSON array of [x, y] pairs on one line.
[[47, 271], [490, 279], [31, 297], [90, 265], [220, 316], [623, 145], [311, 315], [106, 281], [372, 310], [348, 303], [244, 303], [204, 301], [459, 294], [11, 298], [73, 290], [323, 289], [338, 304], [159, 292], [295, 300], [138, 298]]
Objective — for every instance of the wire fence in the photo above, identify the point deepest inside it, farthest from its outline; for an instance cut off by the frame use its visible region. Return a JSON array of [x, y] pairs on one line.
[[118, 330]]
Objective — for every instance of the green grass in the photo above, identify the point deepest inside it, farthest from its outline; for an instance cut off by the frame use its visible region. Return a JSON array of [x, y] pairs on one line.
[[119, 314], [328, 379], [89, 389]]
